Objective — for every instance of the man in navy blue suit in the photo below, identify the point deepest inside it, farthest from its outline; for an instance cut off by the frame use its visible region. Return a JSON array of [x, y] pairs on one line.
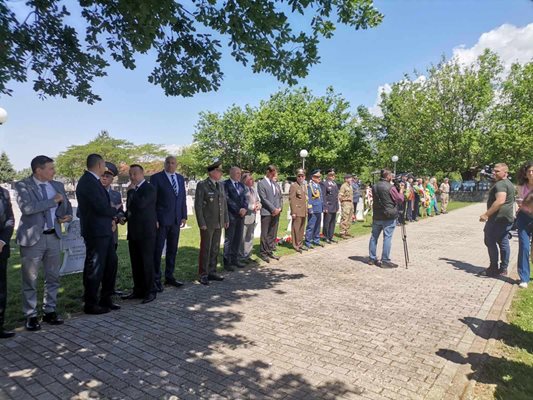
[[237, 208], [96, 220], [171, 209]]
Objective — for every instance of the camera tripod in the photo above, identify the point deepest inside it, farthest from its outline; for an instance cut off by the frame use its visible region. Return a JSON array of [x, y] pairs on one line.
[[401, 220]]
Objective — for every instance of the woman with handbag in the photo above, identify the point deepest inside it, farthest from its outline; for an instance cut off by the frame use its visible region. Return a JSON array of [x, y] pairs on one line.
[[524, 221]]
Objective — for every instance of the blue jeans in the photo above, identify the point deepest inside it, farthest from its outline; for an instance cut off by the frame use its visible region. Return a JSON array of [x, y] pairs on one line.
[[524, 245], [312, 232], [497, 236], [387, 226]]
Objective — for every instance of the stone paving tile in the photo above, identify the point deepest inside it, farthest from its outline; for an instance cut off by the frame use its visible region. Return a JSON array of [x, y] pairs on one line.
[[323, 325]]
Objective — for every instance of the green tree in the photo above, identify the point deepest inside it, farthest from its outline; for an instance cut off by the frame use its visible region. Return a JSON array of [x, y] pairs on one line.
[[186, 39], [276, 131], [512, 120], [7, 173], [71, 163], [23, 173], [440, 123]]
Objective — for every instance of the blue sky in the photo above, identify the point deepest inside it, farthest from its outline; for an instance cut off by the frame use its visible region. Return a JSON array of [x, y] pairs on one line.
[[414, 34]]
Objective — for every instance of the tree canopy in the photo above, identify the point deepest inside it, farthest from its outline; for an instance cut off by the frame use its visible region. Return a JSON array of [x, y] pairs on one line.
[[7, 172], [185, 38], [70, 164]]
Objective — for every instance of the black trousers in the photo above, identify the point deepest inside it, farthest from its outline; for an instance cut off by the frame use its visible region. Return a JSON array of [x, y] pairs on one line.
[[233, 239], [99, 270], [3, 289], [328, 227], [269, 232], [142, 265], [170, 234], [209, 249]]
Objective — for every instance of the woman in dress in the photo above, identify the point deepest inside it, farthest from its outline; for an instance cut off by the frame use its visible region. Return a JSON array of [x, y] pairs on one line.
[[524, 221]]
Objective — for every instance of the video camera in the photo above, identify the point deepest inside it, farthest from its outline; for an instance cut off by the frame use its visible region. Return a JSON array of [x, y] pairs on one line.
[[487, 171]]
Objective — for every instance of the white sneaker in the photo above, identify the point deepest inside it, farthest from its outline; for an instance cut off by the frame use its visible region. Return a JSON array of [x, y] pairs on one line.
[[523, 285]]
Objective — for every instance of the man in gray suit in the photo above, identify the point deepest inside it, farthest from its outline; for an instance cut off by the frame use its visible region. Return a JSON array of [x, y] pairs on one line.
[[44, 207], [272, 201]]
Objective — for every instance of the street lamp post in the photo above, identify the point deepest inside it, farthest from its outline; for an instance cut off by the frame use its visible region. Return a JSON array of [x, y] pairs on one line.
[[394, 160], [303, 153], [3, 115]]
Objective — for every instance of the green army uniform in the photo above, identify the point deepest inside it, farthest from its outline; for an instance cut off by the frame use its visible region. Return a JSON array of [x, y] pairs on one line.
[[346, 200], [211, 211]]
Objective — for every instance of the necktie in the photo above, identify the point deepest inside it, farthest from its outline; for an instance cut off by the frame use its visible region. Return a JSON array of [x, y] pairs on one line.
[[273, 187], [47, 214], [174, 184], [237, 187]]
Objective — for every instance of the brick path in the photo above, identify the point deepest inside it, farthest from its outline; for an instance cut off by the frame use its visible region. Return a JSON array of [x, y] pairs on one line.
[[319, 326]]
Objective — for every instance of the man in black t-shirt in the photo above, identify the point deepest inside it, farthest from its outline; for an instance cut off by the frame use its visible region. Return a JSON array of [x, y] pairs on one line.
[[499, 219]]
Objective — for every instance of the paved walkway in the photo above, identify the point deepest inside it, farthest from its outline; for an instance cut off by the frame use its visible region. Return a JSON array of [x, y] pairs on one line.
[[320, 326]]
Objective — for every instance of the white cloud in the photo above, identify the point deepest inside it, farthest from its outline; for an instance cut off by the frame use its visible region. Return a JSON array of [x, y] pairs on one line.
[[174, 149], [512, 44]]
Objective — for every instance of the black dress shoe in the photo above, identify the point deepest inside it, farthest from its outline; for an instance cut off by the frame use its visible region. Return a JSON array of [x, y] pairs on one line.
[[117, 293], [158, 287], [32, 324], [95, 310], [131, 296], [52, 318], [328, 241], [173, 282], [229, 268], [388, 264], [151, 297], [112, 306], [6, 334], [204, 280], [319, 244], [215, 277], [265, 259], [274, 257]]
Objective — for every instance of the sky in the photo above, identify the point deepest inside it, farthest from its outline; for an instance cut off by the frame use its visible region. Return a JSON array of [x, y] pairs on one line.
[[358, 64]]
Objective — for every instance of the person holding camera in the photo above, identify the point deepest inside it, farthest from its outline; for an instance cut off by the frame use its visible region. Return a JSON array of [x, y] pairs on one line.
[[385, 212], [499, 220]]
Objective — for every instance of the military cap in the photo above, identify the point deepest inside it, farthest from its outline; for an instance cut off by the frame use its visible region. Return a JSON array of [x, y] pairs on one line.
[[300, 171], [216, 164], [331, 171], [347, 176], [316, 172], [111, 168]]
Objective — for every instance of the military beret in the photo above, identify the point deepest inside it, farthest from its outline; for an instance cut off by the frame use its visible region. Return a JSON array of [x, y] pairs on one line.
[[216, 164], [316, 172], [111, 168], [300, 171]]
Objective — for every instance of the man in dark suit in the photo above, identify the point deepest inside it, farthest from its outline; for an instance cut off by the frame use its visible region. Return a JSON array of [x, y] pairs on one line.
[[116, 200], [272, 201], [96, 220], [237, 208], [330, 194], [171, 216], [7, 225], [212, 215], [142, 227]]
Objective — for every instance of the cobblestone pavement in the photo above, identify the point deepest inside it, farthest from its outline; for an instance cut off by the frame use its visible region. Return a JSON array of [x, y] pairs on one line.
[[323, 325]]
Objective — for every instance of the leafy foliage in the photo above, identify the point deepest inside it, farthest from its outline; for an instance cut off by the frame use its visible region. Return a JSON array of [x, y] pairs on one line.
[[7, 173], [71, 163], [185, 38], [276, 131]]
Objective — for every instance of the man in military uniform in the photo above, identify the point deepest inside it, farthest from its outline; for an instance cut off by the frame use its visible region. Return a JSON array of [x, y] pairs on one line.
[[211, 212], [116, 201], [298, 204], [347, 207], [330, 193], [314, 210]]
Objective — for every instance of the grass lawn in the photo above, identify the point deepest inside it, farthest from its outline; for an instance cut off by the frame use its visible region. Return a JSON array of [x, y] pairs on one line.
[[507, 373], [71, 290]]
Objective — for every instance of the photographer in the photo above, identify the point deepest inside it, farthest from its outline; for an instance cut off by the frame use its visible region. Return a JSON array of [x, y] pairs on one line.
[[499, 220], [385, 212]]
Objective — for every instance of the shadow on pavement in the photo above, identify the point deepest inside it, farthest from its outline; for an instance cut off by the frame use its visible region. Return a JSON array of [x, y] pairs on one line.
[[180, 345], [472, 269]]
